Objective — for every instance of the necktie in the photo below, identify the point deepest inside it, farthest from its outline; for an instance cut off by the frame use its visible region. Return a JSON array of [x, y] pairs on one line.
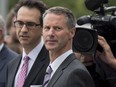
[[23, 72], [47, 76]]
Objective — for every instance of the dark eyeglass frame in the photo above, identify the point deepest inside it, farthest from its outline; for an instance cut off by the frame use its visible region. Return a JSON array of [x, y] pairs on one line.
[[29, 25]]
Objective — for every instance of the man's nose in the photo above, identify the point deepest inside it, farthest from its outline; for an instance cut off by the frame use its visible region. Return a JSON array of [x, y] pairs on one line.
[[51, 31], [24, 28]]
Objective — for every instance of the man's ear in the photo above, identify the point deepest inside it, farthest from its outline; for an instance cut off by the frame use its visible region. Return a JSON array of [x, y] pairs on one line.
[[73, 30], [0, 32]]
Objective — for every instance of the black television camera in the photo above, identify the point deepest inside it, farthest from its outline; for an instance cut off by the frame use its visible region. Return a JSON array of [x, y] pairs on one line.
[[103, 23]]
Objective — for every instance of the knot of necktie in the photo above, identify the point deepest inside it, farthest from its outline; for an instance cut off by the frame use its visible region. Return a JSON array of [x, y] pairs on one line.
[[47, 76], [26, 59], [49, 70]]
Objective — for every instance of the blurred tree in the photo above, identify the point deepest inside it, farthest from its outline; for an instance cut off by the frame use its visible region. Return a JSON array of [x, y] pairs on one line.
[[112, 2], [12, 3], [77, 6]]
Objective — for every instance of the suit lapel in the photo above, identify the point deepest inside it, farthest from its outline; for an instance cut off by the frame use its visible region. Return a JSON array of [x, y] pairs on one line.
[[36, 68], [2, 57], [14, 70], [59, 71]]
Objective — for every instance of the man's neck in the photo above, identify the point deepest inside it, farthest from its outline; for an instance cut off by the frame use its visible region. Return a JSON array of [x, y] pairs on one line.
[[55, 54]]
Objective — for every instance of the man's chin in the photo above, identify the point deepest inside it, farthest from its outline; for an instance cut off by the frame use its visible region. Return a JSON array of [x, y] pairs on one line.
[[50, 49], [24, 43]]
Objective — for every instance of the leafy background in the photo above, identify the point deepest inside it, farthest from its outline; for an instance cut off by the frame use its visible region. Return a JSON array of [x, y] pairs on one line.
[[77, 6]]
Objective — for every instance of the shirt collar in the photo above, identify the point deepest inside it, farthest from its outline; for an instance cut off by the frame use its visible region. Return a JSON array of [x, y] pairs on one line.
[[34, 53], [1, 46], [57, 62]]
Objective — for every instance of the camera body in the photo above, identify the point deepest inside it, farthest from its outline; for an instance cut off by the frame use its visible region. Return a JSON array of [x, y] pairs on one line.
[[102, 22]]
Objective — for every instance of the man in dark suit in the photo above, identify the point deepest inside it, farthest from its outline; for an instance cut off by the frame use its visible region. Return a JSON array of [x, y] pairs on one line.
[[28, 25], [58, 32], [6, 55]]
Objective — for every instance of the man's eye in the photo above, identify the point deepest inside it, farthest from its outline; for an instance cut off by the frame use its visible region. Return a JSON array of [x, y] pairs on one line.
[[46, 28], [20, 23], [58, 28]]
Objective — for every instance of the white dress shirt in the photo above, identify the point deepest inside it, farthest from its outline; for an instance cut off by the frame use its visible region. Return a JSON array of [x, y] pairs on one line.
[[1, 46], [32, 55], [57, 62]]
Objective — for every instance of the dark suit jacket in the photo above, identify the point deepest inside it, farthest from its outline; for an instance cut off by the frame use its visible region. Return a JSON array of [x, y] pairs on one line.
[[106, 72], [71, 73], [6, 55], [37, 72]]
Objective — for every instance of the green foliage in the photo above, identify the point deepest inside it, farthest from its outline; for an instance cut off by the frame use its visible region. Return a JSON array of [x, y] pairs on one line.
[[77, 6], [12, 4]]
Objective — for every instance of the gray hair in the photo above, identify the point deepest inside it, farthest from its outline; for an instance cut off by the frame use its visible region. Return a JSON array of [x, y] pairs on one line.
[[2, 25], [71, 21]]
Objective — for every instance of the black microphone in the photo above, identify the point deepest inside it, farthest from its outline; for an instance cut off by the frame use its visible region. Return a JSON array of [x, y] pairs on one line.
[[83, 20], [93, 4]]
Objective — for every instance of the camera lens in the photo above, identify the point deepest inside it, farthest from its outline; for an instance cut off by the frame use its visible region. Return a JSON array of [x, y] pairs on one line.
[[85, 40]]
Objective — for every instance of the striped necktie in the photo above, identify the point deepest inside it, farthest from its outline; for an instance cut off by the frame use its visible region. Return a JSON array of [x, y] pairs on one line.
[[47, 76]]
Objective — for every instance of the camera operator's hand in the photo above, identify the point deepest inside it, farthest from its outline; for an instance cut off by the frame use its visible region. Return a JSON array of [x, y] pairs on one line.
[[107, 55], [86, 59]]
